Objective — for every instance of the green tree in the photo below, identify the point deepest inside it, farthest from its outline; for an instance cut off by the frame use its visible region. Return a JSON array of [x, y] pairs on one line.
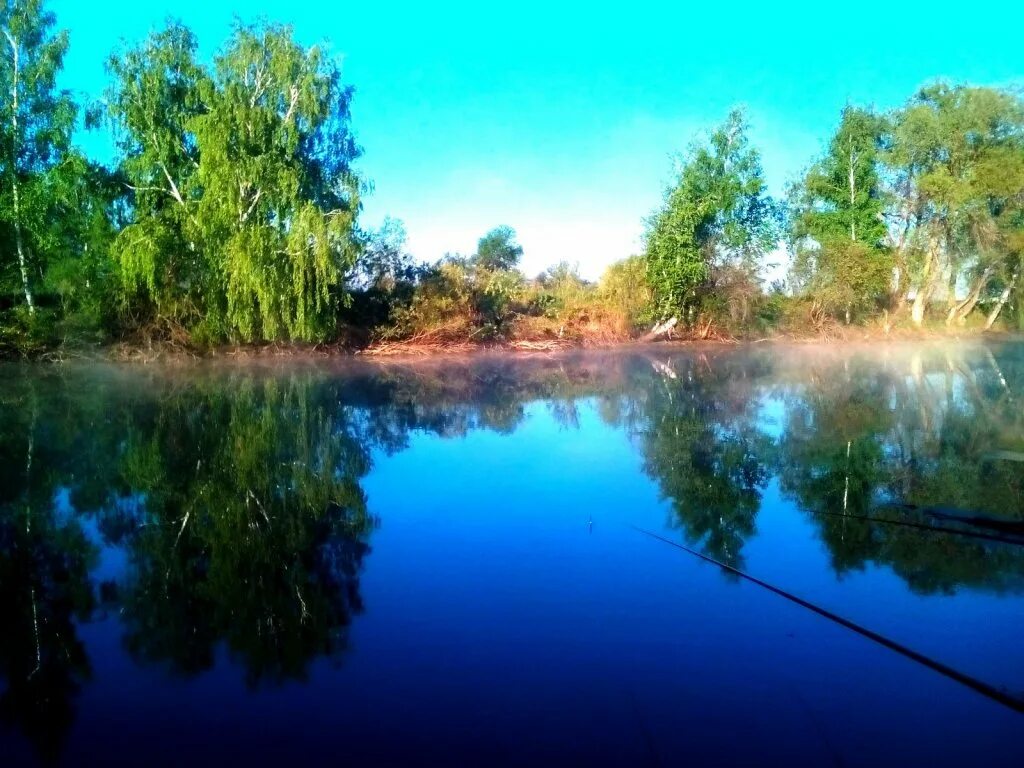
[[498, 250], [245, 197], [279, 193], [52, 202], [168, 279], [37, 123], [957, 158], [837, 226], [717, 214]]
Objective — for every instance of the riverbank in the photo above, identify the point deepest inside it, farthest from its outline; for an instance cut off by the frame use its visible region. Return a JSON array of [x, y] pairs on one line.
[[175, 352]]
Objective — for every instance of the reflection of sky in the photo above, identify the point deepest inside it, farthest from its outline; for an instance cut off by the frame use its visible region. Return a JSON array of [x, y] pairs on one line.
[[490, 565], [112, 559], [771, 417]]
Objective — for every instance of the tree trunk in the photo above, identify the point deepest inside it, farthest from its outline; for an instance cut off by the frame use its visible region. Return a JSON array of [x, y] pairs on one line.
[[900, 283], [853, 196], [920, 303], [1003, 297], [924, 292], [961, 310], [949, 278], [13, 169], [660, 329]]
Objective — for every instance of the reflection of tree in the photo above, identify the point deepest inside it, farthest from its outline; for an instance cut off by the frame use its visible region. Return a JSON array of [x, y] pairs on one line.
[[831, 461], [861, 438], [45, 559], [702, 445], [251, 529], [236, 496]]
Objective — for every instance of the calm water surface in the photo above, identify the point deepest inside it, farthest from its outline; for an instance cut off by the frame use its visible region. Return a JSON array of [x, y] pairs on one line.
[[410, 564]]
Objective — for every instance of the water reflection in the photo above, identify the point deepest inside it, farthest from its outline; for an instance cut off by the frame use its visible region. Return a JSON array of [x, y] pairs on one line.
[[250, 533], [234, 497], [701, 440], [863, 440]]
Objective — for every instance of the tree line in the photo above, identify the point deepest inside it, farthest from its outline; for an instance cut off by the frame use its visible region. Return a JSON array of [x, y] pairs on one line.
[[230, 214], [907, 213]]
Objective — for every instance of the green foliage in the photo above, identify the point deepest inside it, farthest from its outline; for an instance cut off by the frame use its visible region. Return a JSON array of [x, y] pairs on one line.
[[957, 155], [625, 289], [558, 291], [231, 215], [716, 214], [442, 306], [56, 219], [837, 227], [244, 200], [458, 299], [498, 251], [497, 291], [461, 298], [384, 261], [843, 198], [154, 95], [383, 282]]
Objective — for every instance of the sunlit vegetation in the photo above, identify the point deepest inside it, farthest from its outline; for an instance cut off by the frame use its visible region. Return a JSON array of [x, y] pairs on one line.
[[230, 215]]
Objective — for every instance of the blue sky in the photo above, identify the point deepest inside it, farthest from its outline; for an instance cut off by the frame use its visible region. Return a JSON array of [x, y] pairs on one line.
[[561, 119]]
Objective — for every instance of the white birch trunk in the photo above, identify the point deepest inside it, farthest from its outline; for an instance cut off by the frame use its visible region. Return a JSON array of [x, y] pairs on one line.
[[1003, 298], [18, 238]]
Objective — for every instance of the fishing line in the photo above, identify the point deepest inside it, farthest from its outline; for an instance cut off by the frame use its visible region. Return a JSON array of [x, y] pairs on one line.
[[926, 527], [979, 686], [968, 518]]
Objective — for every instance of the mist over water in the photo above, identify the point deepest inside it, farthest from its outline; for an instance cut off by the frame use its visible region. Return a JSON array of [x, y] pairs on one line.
[[445, 561]]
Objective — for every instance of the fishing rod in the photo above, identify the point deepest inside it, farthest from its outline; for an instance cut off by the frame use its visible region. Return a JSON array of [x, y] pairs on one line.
[[974, 519], [926, 527], [989, 691]]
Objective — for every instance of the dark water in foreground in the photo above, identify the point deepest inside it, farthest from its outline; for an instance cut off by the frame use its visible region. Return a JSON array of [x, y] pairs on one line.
[[437, 563]]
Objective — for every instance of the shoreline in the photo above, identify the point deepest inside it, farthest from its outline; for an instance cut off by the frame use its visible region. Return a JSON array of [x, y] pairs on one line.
[[124, 352]]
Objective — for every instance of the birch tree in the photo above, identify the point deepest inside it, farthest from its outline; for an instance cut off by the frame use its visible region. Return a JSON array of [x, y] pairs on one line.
[[837, 227], [716, 214], [35, 137], [152, 99], [244, 196], [279, 193]]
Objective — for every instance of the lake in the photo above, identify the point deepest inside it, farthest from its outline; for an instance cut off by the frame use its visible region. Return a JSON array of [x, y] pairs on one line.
[[517, 560]]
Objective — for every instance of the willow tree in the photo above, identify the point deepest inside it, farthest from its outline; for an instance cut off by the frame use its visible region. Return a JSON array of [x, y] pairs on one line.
[[245, 197], [716, 215], [957, 157]]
